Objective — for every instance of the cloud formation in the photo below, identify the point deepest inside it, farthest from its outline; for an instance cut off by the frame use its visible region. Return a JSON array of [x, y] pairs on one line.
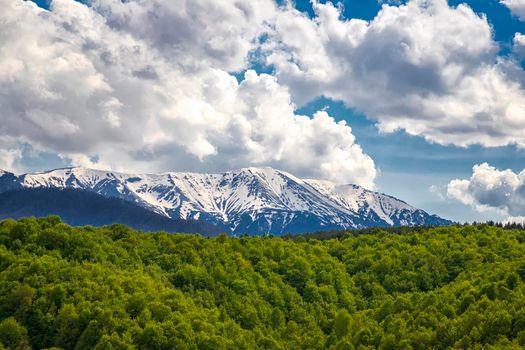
[[150, 85], [424, 67], [491, 189], [145, 85], [518, 45], [517, 7]]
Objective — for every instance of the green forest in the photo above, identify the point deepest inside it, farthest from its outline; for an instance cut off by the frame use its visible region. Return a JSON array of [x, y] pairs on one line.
[[114, 288]]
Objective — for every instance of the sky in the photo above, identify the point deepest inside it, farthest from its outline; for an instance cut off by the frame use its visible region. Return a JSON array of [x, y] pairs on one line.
[[421, 99]]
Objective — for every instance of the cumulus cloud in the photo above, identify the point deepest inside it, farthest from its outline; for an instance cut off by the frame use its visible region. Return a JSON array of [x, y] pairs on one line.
[[149, 85], [145, 85], [491, 189], [517, 7], [424, 67], [216, 33]]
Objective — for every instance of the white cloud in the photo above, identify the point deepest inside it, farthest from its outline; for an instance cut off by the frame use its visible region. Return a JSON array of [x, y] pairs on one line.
[[514, 220], [147, 85], [424, 67], [491, 189], [9, 158], [518, 47], [215, 33], [517, 7], [144, 85]]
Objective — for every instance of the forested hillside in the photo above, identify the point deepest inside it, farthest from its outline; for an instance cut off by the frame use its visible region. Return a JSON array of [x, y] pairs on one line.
[[113, 288]]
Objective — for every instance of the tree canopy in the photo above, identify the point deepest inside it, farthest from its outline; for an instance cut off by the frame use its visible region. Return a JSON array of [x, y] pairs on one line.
[[115, 288]]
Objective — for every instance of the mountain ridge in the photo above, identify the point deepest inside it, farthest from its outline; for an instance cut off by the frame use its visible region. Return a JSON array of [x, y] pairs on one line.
[[80, 208], [248, 200]]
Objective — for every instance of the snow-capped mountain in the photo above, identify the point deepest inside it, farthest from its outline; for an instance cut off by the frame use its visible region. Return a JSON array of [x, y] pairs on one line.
[[249, 200]]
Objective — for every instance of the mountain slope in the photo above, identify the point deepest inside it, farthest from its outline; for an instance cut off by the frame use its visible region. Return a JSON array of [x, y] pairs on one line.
[[80, 208], [250, 200]]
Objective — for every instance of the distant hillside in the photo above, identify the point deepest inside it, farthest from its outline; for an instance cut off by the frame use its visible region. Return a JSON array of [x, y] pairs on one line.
[[79, 208]]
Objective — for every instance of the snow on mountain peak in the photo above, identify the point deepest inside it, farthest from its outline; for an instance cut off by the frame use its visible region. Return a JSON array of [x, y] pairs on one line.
[[253, 200]]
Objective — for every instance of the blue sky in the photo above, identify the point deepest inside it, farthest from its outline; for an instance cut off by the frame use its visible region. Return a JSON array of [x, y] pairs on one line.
[[417, 169]]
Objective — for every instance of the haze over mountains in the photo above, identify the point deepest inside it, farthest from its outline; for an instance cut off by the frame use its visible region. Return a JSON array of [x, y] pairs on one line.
[[249, 200]]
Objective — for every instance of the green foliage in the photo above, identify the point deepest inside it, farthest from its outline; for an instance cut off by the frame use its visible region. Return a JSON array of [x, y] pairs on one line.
[[114, 288], [12, 334]]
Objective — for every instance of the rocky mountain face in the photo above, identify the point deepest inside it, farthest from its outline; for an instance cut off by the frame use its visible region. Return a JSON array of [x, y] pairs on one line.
[[249, 200]]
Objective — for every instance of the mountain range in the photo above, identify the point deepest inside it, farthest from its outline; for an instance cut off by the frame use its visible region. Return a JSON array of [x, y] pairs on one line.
[[80, 208], [245, 201]]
